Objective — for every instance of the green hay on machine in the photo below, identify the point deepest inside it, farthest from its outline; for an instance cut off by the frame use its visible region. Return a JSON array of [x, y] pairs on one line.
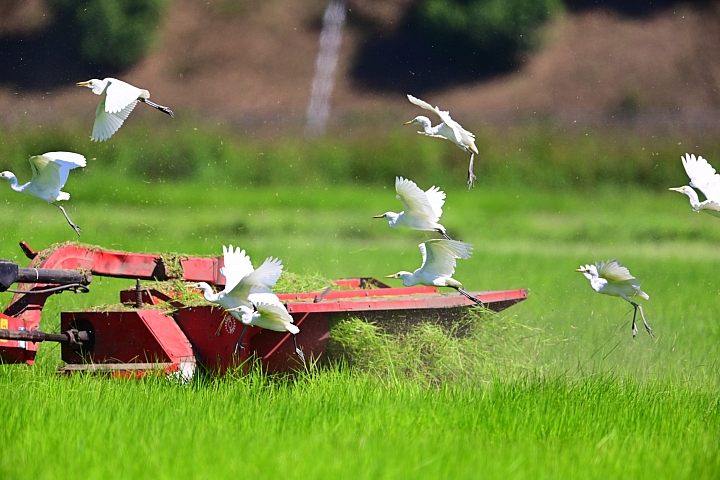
[[301, 283], [173, 264], [44, 254]]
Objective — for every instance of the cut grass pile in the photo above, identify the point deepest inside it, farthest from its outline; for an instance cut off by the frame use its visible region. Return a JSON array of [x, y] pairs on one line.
[[478, 347]]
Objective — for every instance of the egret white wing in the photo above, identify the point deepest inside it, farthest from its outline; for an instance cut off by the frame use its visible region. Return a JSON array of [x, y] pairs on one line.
[[106, 124], [614, 271], [415, 201], [702, 176], [439, 255], [264, 297], [67, 161], [274, 317], [436, 198], [423, 104], [236, 265], [119, 95], [260, 280], [46, 176]]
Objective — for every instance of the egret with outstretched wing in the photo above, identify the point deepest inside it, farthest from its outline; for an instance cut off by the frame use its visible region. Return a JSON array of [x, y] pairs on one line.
[[613, 278], [438, 266], [421, 209], [117, 104], [448, 129], [703, 177], [50, 173]]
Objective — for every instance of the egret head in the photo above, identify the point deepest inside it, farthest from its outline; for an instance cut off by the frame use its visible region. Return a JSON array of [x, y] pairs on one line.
[[684, 189], [206, 289], [97, 86], [419, 120], [391, 217], [6, 175], [692, 195], [401, 274], [588, 270]]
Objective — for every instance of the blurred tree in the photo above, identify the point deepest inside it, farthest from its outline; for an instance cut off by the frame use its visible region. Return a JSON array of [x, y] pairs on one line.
[[444, 42], [116, 33]]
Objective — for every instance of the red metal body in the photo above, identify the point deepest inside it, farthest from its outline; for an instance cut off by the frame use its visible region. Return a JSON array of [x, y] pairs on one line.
[[133, 340]]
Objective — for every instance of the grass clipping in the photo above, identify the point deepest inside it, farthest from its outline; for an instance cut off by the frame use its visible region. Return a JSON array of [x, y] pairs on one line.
[[489, 345]]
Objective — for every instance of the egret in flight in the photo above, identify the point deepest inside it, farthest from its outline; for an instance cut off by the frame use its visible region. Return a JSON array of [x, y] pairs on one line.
[[246, 289], [49, 174], [438, 266], [421, 210], [120, 99], [270, 316], [449, 129], [613, 278], [703, 177]]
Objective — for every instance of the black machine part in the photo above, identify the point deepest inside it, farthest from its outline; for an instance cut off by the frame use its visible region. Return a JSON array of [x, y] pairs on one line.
[[11, 273]]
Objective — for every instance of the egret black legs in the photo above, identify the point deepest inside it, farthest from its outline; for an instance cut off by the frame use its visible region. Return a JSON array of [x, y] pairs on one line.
[[443, 233], [471, 175], [75, 227], [299, 352], [159, 107], [467, 295], [642, 315], [238, 344]]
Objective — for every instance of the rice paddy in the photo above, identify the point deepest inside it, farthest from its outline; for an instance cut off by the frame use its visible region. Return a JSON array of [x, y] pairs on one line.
[[554, 387]]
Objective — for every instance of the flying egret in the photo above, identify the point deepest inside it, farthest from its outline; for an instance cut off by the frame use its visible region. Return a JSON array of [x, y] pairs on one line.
[[613, 278], [246, 287], [421, 210], [50, 172], [449, 129], [438, 266], [120, 99], [703, 177], [271, 316]]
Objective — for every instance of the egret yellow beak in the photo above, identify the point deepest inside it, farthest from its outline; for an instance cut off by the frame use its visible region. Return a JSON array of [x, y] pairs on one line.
[[676, 189], [408, 123], [579, 270], [378, 216], [394, 275], [83, 84]]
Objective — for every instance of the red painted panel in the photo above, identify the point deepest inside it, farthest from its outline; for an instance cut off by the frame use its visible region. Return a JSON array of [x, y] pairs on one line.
[[13, 351], [213, 340], [405, 302], [119, 337], [379, 292]]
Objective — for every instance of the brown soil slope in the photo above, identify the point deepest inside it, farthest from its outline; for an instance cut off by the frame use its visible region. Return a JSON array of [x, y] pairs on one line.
[[254, 65]]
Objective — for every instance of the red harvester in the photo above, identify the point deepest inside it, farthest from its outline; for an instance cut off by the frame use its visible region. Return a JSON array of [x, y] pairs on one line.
[[138, 336]]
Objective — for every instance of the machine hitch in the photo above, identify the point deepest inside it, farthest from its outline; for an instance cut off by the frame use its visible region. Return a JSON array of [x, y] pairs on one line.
[[73, 338]]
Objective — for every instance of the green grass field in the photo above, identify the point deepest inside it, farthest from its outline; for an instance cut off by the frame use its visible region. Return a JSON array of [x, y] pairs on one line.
[[555, 387]]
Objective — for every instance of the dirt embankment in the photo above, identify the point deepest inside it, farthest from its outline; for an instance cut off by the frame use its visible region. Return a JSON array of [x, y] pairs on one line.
[[252, 63]]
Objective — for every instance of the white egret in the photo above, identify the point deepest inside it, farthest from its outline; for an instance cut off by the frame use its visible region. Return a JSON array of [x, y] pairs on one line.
[[50, 172], [120, 99], [245, 288], [421, 210], [613, 278], [271, 316], [449, 129], [703, 177], [438, 266]]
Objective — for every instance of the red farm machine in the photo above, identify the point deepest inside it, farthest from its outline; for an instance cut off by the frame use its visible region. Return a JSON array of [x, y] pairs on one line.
[[154, 330]]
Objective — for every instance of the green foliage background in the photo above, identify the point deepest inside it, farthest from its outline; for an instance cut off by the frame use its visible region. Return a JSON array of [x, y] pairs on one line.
[[489, 25], [111, 32]]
